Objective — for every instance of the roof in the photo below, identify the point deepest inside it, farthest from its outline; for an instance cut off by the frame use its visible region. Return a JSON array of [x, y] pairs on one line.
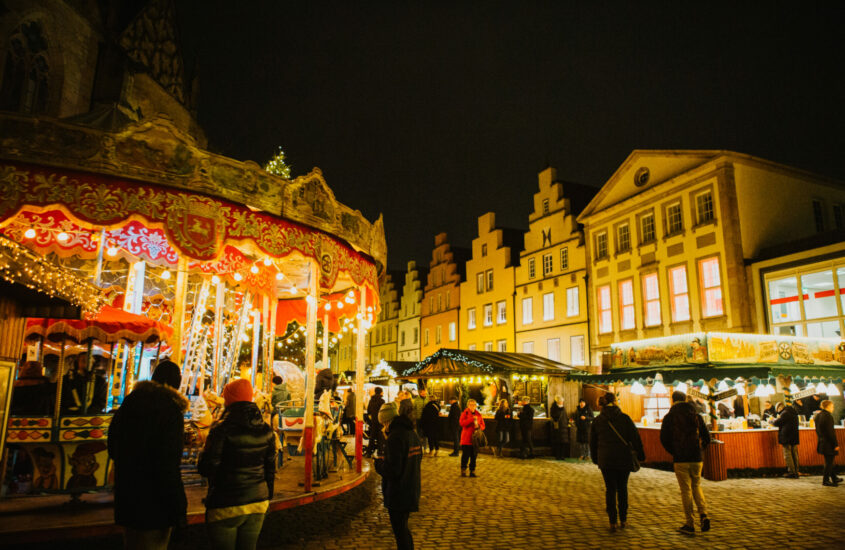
[[707, 371], [464, 362]]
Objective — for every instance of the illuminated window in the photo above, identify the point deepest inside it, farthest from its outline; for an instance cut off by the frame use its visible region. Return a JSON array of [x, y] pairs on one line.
[[704, 207], [471, 347], [657, 407], [674, 219], [531, 271], [820, 294], [651, 296], [623, 238], [711, 287], [488, 346], [564, 258], [501, 312], [547, 264], [601, 245], [479, 283], [548, 306], [647, 228], [502, 345], [679, 293], [573, 302], [553, 349], [471, 318], [528, 347], [626, 305], [576, 350], [488, 315], [527, 311], [453, 331], [605, 314], [489, 279]]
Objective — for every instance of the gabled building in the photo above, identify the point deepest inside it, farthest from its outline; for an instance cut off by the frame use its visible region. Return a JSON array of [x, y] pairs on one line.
[[384, 335], [670, 234], [409, 313], [440, 310], [487, 308], [552, 317]]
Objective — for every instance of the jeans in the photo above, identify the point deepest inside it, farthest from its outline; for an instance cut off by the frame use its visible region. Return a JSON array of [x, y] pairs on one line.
[[468, 455], [146, 539], [399, 523], [829, 468], [456, 439], [616, 489], [527, 440], [790, 455], [237, 533], [433, 443], [689, 480], [504, 437]]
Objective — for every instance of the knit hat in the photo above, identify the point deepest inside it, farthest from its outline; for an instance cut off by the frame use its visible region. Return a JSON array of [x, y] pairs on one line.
[[168, 373], [237, 390]]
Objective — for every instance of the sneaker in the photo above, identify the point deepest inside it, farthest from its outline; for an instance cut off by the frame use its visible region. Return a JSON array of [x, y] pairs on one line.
[[686, 529], [705, 523], [472, 474]]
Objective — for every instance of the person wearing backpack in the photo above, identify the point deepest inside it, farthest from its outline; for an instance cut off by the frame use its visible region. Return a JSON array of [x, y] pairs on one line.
[[684, 434], [471, 421], [613, 437]]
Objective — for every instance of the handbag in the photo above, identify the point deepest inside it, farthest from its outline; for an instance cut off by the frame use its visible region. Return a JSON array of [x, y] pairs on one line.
[[635, 462], [479, 439]]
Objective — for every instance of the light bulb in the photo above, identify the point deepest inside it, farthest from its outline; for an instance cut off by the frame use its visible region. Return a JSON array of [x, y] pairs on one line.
[[253, 269], [279, 276], [112, 251], [293, 290], [328, 306], [267, 261], [238, 277], [29, 233], [215, 279], [62, 236], [165, 274]]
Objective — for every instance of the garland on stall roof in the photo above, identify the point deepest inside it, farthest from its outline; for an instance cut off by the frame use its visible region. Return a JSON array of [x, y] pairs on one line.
[[449, 355]]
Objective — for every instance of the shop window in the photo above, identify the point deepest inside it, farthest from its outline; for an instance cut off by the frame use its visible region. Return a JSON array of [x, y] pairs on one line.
[[528, 347], [818, 215], [840, 276], [564, 258], [711, 287], [576, 351], [488, 315], [623, 238], [601, 245], [527, 311], [502, 345], [605, 314], [479, 283], [783, 300], [819, 295], [501, 312], [704, 211], [573, 302], [647, 234], [531, 270], [679, 293], [471, 318], [547, 264], [489, 280], [453, 331], [651, 297], [548, 306], [488, 346], [674, 219], [626, 305]]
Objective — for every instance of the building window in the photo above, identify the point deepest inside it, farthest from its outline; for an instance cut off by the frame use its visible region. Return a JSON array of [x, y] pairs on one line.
[[626, 305], [439, 302], [425, 337], [679, 293], [553, 349], [548, 306], [838, 220], [483, 250], [651, 297], [545, 206], [402, 337], [547, 264], [711, 287], [489, 279], [647, 228], [488, 315], [479, 283], [816, 300], [416, 335], [527, 311], [704, 211], [674, 219], [502, 345], [501, 312], [488, 346], [528, 347], [471, 318], [531, 271], [564, 258], [573, 302], [605, 313], [438, 334], [623, 238], [576, 350], [430, 304], [26, 71], [453, 331], [471, 347], [448, 299], [601, 245], [818, 215]]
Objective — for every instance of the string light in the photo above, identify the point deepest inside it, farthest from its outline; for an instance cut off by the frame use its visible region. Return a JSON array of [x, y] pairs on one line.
[[279, 276], [238, 277], [253, 269], [267, 262]]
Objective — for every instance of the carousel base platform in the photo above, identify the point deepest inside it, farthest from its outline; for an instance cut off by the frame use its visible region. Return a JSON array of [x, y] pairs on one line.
[[41, 518]]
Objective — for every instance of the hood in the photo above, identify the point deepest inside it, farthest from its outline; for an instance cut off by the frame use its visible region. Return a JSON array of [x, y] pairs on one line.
[[151, 387], [684, 407], [401, 421], [244, 413], [611, 411]]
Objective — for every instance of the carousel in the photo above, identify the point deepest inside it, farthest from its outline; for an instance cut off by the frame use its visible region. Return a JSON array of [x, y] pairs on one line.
[[185, 255]]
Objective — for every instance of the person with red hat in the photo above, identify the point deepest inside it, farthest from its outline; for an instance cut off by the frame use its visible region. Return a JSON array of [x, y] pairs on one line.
[[239, 460]]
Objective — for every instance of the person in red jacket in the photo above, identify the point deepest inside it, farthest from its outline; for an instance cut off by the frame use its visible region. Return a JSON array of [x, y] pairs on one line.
[[470, 421]]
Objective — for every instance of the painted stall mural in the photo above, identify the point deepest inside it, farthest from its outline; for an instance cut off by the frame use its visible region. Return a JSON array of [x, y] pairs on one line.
[[673, 350]]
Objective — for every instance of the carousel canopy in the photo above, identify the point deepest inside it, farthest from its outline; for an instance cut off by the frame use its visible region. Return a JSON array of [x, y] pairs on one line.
[[110, 325], [451, 362]]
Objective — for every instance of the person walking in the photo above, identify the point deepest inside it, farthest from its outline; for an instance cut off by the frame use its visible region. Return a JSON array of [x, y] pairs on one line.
[[419, 401], [454, 423], [400, 473], [787, 425], [471, 420], [684, 435], [526, 429], [504, 419], [613, 436], [376, 435], [430, 423], [827, 444], [145, 441], [559, 427], [583, 420], [239, 461], [349, 412]]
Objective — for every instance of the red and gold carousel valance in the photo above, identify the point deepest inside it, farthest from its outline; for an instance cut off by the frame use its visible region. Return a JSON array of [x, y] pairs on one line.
[[109, 326]]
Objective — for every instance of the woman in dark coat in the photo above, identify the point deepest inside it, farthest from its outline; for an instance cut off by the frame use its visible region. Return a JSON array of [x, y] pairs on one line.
[[503, 418], [239, 460], [560, 428], [583, 419], [613, 456], [827, 444], [430, 424]]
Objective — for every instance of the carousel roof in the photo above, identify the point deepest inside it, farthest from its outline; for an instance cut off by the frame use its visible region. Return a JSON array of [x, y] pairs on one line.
[[447, 362]]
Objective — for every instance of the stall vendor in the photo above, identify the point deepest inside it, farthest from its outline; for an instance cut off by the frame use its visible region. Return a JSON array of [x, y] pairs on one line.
[[769, 411]]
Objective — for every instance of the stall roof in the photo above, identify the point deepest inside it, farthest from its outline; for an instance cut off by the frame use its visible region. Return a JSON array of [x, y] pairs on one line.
[[446, 362], [707, 371]]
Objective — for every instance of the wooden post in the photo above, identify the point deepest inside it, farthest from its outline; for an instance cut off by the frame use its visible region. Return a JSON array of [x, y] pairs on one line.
[[310, 374], [179, 309], [359, 383]]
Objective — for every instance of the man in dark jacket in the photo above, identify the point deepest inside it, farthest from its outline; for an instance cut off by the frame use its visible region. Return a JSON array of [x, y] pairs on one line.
[[145, 441], [400, 472], [430, 424], [454, 421], [827, 444], [376, 435], [787, 425], [559, 427], [683, 434], [526, 429]]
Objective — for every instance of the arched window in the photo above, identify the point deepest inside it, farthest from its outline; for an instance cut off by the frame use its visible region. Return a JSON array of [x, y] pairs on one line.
[[26, 71]]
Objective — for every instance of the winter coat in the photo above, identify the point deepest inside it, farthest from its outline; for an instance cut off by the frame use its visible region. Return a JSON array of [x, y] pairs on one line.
[[770, 412], [583, 434], [419, 404], [280, 395], [468, 419], [503, 419], [145, 442], [683, 433], [739, 406], [373, 407], [349, 406], [455, 415], [787, 425], [430, 419], [32, 396], [400, 469], [827, 436], [526, 418], [606, 448], [239, 458], [560, 421]]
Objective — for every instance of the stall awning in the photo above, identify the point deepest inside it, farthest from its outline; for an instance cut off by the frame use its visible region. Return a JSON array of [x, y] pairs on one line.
[[452, 362], [710, 370]]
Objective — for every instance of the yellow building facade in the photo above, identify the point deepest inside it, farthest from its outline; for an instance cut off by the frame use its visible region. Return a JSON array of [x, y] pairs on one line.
[[670, 234], [439, 314], [409, 313], [384, 335], [551, 279]]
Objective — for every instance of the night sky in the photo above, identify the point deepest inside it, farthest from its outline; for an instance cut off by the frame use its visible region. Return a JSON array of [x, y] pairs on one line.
[[434, 114]]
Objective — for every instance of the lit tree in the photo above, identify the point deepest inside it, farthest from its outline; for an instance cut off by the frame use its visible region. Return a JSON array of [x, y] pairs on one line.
[[278, 166]]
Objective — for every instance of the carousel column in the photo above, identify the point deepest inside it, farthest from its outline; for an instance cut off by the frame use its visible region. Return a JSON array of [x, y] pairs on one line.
[[310, 374], [59, 383], [326, 338], [179, 308], [256, 344], [270, 351], [359, 384], [219, 303]]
